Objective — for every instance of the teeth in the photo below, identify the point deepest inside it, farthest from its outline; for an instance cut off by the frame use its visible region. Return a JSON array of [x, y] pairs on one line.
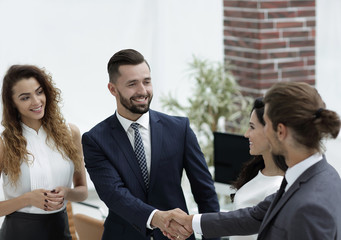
[[140, 99], [36, 109]]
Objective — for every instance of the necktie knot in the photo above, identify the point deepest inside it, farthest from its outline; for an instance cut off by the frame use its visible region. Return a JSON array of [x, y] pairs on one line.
[[135, 126]]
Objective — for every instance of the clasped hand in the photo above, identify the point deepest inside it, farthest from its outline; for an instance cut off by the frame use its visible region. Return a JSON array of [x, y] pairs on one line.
[[46, 199], [174, 224]]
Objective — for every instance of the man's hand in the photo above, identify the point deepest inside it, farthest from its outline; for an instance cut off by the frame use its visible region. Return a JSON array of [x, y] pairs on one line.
[[165, 221], [181, 218]]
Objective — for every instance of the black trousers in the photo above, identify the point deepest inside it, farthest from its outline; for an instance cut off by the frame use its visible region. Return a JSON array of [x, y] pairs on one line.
[[27, 226]]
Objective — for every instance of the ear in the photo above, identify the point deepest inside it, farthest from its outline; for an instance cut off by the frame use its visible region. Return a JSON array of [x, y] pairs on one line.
[[282, 131], [112, 89]]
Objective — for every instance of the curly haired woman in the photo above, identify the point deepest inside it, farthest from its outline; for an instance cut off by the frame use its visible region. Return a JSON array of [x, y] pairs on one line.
[[40, 158]]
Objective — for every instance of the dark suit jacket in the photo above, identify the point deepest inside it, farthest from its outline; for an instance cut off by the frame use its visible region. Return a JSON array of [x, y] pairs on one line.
[[310, 209], [113, 168]]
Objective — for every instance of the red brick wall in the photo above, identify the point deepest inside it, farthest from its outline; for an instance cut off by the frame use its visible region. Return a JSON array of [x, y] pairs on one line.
[[269, 41]]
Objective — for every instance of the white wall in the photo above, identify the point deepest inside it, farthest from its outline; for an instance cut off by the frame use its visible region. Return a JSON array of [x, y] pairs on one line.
[[74, 40], [328, 52], [328, 62]]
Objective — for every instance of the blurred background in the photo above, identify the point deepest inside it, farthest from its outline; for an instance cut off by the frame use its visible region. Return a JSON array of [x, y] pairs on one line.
[[73, 40]]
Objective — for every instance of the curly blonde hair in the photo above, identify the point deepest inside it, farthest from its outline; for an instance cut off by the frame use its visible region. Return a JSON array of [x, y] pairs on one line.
[[15, 151]]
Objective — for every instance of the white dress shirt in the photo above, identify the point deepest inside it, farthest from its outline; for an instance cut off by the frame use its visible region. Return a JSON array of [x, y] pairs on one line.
[[46, 168], [295, 171]]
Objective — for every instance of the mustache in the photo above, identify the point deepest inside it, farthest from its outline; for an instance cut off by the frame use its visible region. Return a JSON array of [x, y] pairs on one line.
[[140, 96]]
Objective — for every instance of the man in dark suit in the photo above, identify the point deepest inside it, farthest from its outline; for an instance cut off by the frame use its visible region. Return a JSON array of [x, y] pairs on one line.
[[307, 206], [136, 158]]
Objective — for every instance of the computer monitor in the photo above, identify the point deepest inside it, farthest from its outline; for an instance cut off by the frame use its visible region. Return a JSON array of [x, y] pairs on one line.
[[230, 152]]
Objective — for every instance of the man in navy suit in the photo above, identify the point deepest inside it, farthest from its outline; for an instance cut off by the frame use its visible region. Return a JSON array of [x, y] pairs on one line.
[[139, 188], [307, 206]]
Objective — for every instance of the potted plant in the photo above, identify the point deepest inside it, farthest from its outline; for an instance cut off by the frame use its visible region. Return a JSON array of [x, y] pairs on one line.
[[216, 103]]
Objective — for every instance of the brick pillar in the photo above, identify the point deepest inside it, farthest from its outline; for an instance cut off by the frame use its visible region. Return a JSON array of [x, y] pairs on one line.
[[269, 41]]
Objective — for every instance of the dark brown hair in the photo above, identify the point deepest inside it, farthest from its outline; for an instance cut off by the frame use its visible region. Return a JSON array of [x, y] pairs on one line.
[[251, 168], [123, 57], [299, 106]]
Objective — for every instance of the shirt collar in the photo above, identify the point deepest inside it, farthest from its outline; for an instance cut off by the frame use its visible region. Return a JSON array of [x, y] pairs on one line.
[[30, 130], [143, 121], [295, 171]]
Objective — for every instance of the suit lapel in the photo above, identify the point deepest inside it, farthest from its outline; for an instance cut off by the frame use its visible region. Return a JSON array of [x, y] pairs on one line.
[[122, 141], [156, 135], [306, 175], [271, 214]]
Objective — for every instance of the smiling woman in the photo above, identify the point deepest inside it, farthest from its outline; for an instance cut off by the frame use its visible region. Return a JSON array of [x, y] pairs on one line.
[[40, 158], [29, 99]]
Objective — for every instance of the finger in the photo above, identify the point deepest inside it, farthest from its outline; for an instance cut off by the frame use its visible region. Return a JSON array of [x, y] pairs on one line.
[[173, 230], [55, 199], [172, 214], [181, 232], [53, 205], [48, 208], [172, 237], [168, 235], [55, 195]]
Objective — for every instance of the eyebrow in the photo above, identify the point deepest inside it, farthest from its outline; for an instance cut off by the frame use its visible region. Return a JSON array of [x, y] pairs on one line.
[[132, 81], [25, 94]]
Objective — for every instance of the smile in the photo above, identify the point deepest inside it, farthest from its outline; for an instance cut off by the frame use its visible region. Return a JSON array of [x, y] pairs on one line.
[[37, 109], [140, 99]]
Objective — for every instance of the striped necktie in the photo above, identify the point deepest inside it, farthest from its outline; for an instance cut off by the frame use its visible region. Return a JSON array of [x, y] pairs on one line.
[[140, 154]]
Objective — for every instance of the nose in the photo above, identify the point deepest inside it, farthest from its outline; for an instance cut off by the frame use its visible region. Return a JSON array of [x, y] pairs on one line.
[[246, 134], [35, 100], [141, 89]]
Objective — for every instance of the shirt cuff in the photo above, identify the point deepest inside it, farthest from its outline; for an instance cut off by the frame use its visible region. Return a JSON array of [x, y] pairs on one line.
[[150, 220], [196, 223]]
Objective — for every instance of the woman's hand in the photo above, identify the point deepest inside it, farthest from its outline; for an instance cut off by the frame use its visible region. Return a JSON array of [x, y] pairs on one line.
[[55, 198], [39, 198], [47, 200]]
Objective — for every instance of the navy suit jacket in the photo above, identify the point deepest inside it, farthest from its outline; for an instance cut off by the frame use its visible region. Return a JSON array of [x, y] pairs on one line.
[[310, 209], [114, 170]]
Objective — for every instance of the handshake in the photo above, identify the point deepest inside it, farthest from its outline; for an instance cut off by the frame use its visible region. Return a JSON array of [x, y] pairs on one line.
[[174, 224]]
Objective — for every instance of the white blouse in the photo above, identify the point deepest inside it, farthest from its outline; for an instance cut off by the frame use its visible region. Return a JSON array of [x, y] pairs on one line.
[[46, 169], [253, 192]]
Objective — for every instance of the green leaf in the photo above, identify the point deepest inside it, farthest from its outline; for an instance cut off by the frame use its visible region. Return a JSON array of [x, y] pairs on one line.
[[215, 95]]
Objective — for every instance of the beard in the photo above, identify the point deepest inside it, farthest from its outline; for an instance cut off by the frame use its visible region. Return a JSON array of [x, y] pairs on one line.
[[136, 108]]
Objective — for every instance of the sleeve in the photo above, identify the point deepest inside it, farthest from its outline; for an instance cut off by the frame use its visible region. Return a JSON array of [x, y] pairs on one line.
[[245, 221], [111, 188], [196, 224]]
